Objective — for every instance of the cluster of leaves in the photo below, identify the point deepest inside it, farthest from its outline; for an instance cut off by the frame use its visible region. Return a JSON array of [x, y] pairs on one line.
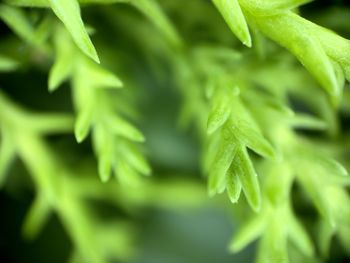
[[239, 100], [100, 108]]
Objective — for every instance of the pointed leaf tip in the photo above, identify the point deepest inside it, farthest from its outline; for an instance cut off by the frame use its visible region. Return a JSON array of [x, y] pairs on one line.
[[104, 168], [68, 11], [82, 124], [248, 178], [234, 17]]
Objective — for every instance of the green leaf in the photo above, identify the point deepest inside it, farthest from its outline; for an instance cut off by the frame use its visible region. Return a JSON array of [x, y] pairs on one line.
[[248, 177], [84, 121], [324, 237], [246, 129], [322, 162], [336, 47], [7, 64], [233, 184], [105, 166], [219, 113], [271, 7], [152, 10], [305, 46], [100, 77], [123, 128], [247, 233], [306, 121], [246, 134], [29, 3], [64, 59], [45, 3], [277, 182], [275, 241], [222, 162], [68, 11], [127, 175], [315, 187], [347, 72], [212, 145], [50, 123], [7, 154], [104, 145], [133, 156], [299, 236], [37, 217], [16, 19], [234, 17]]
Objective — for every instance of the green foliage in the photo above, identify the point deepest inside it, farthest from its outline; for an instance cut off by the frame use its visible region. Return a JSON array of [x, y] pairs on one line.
[[254, 136]]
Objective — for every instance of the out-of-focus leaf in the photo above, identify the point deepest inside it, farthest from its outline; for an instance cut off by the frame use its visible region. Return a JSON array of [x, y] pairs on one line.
[[7, 154], [83, 123], [278, 181], [37, 217], [325, 164], [324, 236], [247, 233], [152, 10], [29, 3], [276, 241], [64, 59], [105, 165], [49, 123], [314, 188], [305, 121], [103, 143], [299, 236], [7, 64], [125, 129], [17, 21], [126, 174], [100, 77], [135, 158]]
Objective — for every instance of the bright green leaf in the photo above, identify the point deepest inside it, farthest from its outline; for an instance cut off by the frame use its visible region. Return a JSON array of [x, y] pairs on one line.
[[222, 162], [234, 17], [83, 123], [247, 177], [233, 184], [68, 11], [219, 113], [64, 60]]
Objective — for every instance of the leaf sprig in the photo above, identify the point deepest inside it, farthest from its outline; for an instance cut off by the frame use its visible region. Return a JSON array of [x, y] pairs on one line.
[[323, 53], [112, 135]]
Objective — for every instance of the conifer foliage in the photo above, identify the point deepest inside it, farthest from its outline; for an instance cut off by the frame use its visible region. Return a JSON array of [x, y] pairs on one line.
[[264, 88]]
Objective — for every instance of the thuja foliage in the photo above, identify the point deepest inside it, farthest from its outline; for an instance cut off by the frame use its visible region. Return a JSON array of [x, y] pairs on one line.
[[263, 87]]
